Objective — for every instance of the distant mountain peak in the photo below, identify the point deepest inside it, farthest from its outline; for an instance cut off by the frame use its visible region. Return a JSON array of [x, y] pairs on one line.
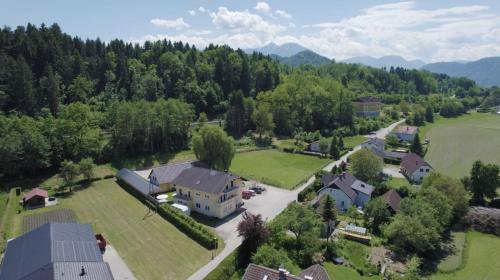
[[284, 50], [387, 61]]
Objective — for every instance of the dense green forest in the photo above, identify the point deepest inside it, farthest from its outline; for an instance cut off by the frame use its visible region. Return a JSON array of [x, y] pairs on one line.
[[64, 98]]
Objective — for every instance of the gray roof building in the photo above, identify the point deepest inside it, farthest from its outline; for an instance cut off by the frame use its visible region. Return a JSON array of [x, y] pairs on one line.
[[137, 182], [167, 173], [204, 179], [55, 251]]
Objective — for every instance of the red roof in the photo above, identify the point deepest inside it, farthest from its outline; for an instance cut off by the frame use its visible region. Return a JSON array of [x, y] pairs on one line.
[[392, 198], [35, 192], [412, 162]]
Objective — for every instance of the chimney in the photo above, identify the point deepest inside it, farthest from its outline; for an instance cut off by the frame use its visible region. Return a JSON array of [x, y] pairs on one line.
[[282, 273], [82, 273]]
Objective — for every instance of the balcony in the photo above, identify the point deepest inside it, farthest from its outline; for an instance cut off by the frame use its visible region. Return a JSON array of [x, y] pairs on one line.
[[182, 197]]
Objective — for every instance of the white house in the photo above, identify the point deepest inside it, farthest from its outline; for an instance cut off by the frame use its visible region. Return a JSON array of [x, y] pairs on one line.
[[376, 145], [415, 168], [346, 190], [406, 133]]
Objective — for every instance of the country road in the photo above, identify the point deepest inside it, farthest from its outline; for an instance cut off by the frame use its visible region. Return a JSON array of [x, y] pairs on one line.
[[269, 207]]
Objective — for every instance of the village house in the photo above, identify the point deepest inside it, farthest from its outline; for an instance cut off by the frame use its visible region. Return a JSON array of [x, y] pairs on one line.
[[162, 176], [377, 146], [393, 200], [367, 106], [35, 198], [209, 192], [415, 168], [406, 133], [346, 190], [55, 251], [258, 272]]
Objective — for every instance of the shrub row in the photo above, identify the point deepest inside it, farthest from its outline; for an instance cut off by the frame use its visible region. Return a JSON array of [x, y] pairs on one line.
[[226, 269], [184, 223], [189, 226]]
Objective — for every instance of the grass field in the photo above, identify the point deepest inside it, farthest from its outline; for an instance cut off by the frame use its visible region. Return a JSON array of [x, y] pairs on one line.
[[453, 261], [457, 142], [343, 272], [151, 247], [481, 257], [276, 168]]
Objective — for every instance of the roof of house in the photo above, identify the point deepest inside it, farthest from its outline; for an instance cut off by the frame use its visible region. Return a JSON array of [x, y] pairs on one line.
[[375, 141], [347, 183], [258, 272], [407, 129], [393, 198], [392, 154], [137, 182], [167, 173], [366, 99], [204, 179], [52, 249], [412, 162], [35, 192], [317, 272]]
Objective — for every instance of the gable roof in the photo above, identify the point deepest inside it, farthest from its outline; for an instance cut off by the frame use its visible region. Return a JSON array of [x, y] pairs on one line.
[[35, 192], [406, 129], [258, 272], [167, 173], [317, 272], [36, 254], [204, 179], [137, 182], [344, 182], [375, 141], [393, 198], [412, 162]]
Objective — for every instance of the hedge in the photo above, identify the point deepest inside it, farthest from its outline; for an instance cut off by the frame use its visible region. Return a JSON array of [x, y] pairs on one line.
[[182, 222], [226, 269]]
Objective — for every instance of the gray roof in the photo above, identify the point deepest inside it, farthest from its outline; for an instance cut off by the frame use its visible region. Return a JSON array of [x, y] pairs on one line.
[[32, 255], [167, 173], [346, 182], [204, 179], [72, 270], [392, 154], [375, 141], [137, 182]]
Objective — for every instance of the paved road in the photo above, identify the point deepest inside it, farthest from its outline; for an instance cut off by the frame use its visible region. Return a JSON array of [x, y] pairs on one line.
[[118, 267]]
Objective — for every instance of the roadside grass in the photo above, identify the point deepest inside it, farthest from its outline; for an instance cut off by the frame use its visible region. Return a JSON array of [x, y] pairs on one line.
[[276, 168], [455, 143], [480, 261], [149, 245], [344, 272], [453, 261]]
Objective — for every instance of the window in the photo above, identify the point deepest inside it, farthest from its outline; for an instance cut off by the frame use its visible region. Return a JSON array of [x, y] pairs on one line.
[[207, 207], [421, 170], [207, 196], [197, 194], [198, 205], [427, 170]]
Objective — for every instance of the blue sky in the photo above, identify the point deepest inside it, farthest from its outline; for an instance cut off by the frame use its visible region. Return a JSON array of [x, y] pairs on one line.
[[428, 30]]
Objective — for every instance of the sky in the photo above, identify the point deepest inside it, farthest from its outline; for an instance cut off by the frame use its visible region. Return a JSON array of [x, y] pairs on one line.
[[435, 30]]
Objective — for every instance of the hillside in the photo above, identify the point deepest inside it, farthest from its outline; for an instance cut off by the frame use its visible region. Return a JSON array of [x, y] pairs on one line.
[[386, 61], [303, 57], [285, 50], [484, 71]]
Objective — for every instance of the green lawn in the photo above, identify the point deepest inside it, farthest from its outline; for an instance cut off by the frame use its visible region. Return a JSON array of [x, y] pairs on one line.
[[481, 259], [151, 247], [353, 141], [453, 261], [276, 168], [457, 142], [344, 272], [396, 183]]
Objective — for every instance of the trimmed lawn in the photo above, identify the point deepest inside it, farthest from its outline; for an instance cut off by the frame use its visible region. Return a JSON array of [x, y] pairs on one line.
[[453, 261], [481, 257], [151, 247], [344, 272], [353, 141], [457, 142], [276, 168], [396, 183]]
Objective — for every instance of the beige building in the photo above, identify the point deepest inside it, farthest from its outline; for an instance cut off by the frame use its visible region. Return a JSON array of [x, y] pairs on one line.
[[207, 191]]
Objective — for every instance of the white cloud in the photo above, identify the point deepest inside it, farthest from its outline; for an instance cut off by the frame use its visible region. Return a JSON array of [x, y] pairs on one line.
[[244, 21], [201, 9], [262, 7], [177, 23], [283, 14], [192, 12]]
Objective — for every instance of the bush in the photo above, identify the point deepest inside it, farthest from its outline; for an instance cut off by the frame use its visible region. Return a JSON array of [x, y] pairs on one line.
[[226, 269], [303, 195], [484, 219], [109, 176]]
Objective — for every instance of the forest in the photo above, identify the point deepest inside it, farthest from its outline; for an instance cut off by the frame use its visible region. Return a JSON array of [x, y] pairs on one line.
[[65, 98]]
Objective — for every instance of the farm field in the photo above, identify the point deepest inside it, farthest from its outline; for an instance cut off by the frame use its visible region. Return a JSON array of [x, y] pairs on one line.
[[480, 259], [149, 245], [276, 168], [457, 143]]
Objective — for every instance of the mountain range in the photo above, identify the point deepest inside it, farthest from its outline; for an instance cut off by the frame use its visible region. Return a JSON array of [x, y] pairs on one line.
[[486, 71]]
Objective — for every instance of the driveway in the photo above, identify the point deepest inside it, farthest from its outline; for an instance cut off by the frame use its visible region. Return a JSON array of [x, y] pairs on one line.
[[392, 171], [118, 267]]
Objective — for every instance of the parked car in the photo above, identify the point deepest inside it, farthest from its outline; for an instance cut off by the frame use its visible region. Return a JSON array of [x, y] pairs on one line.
[[258, 189], [246, 194]]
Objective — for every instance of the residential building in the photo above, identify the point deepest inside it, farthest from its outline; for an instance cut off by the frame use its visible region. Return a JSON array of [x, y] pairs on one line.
[[55, 251], [406, 133], [376, 145], [258, 272], [162, 176], [367, 106], [209, 192], [138, 183], [346, 190], [35, 198], [415, 168], [393, 200]]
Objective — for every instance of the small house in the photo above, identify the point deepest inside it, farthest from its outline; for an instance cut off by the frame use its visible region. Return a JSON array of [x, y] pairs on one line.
[[367, 106], [35, 198], [259, 272], [376, 145], [406, 133], [415, 168], [393, 200], [346, 190]]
